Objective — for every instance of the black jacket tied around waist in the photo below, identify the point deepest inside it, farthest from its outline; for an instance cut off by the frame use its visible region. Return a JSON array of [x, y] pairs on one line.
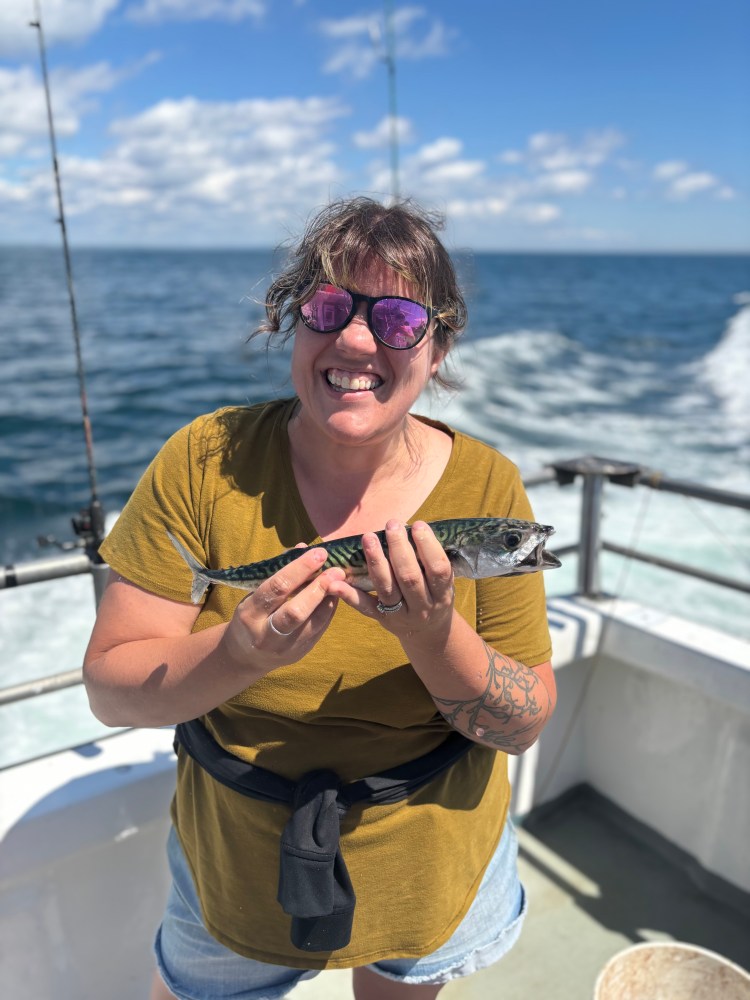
[[314, 884]]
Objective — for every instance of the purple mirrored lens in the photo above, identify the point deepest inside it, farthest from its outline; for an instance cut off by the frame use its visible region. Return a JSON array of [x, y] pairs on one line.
[[328, 309], [399, 323]]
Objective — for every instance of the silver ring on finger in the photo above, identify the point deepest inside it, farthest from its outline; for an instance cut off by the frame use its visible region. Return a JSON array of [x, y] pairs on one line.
[[389, 609], [275, 630]]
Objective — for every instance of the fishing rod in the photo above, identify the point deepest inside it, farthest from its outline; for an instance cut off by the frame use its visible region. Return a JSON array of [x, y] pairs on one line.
[[390, 61], [385, 45], [89, 524]]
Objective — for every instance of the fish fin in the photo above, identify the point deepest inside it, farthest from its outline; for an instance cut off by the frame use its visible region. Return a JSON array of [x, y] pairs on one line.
[[200, 581]]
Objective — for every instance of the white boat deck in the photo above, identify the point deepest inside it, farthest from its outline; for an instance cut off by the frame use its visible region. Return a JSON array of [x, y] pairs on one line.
[[597, 882]]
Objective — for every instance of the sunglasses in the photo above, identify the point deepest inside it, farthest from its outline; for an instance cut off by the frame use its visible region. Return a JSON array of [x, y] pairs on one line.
[[397, 322]]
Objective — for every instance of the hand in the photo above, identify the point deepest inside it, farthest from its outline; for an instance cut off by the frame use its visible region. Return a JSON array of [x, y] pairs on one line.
[[420, 582], [283, 619]]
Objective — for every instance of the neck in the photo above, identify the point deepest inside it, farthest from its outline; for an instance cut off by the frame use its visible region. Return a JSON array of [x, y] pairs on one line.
[[354, 470]]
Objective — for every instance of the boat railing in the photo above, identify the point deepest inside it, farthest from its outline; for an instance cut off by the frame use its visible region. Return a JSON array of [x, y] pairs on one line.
[[593, 471]]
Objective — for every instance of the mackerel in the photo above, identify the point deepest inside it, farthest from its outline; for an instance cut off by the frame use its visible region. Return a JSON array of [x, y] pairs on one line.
[[478, 547]]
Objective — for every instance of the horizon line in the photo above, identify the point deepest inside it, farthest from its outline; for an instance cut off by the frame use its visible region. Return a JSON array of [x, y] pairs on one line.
[[519, 251]]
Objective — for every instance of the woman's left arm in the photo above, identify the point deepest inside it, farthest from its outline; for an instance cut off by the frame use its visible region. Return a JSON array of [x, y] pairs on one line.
[[489, 697]]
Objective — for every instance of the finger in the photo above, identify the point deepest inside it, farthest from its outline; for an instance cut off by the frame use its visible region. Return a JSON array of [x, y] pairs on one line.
[[304, 606], [321, 617], [409, 578], [380, 570], [277, 589], [357, 599], [435, 563]]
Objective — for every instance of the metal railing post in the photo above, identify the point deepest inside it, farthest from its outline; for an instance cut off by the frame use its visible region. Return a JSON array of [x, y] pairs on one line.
[[591, 518], [100, 574], [593, 471]]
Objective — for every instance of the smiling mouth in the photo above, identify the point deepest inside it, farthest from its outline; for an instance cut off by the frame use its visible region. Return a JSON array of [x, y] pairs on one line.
[[351, 382]]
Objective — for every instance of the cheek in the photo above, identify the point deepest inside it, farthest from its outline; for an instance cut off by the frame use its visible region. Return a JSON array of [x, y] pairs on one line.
[[304, 348], [300, 363]]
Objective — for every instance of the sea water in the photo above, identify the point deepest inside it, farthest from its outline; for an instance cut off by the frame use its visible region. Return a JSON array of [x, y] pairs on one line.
[[645, 359]]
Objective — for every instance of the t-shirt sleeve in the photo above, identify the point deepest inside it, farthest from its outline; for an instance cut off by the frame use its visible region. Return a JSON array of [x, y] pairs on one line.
[[165, 499], [511, 611]]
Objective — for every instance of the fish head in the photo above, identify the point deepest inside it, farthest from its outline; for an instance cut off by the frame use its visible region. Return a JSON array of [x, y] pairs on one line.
[[491, 546]]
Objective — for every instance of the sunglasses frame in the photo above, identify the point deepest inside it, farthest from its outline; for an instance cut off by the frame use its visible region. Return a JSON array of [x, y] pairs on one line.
[[372, 301]]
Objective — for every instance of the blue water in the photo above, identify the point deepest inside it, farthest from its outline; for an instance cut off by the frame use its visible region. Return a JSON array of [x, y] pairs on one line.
[[643, 358]]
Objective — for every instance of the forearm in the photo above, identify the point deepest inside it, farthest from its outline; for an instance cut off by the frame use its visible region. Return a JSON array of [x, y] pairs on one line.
[[489, 697], [161, 681], [146, 667]]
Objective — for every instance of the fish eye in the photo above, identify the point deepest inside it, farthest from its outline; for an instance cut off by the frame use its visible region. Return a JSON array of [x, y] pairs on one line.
[[512, 539]]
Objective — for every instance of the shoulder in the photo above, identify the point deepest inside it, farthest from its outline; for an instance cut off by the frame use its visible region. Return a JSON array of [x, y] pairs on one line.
[[224, 430], [228, 421], [480, 481], [474, 452]]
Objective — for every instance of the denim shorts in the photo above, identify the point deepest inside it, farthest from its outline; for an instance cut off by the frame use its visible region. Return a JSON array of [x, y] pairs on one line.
[[195, 966]]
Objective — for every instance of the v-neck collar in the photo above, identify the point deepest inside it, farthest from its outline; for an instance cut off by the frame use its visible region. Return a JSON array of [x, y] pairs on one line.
[[294, 498]]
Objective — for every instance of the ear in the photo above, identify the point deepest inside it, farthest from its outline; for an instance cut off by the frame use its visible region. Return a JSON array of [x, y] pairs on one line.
[[438, 355]]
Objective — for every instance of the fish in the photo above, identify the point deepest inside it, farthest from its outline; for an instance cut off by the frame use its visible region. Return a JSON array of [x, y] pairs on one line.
[[478, 548]]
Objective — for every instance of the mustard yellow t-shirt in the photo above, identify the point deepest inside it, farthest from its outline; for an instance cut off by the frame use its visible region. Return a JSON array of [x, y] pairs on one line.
[[225, 486]]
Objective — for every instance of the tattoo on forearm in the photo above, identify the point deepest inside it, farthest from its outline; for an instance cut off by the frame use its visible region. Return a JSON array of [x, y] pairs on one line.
[[511, 710]]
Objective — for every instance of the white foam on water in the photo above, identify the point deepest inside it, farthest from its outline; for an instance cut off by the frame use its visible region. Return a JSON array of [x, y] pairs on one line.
[[725, 372], [44, 630]]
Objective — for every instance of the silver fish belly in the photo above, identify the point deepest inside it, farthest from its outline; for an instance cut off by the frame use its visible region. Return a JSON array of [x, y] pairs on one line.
[[478, 547]]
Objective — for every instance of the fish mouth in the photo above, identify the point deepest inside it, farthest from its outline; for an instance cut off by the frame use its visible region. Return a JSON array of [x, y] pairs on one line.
[[540, 558]]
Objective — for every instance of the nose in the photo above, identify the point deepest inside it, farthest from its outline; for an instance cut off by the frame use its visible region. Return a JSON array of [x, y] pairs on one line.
[[356, 336]]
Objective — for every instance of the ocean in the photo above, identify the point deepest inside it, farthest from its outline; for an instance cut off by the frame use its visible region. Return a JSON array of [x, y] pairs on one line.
[[640, 358]]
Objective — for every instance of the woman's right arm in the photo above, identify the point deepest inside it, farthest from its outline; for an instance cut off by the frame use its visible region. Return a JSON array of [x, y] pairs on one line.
[[144, 666]]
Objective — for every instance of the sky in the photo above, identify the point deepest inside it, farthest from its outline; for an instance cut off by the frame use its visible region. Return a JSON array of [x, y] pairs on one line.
[[532, 126]]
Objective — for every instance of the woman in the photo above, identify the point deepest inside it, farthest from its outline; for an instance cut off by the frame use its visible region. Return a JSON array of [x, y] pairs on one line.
[[314, 683]]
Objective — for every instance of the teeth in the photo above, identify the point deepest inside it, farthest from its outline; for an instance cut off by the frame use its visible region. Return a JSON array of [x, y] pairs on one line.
[[357, 383]]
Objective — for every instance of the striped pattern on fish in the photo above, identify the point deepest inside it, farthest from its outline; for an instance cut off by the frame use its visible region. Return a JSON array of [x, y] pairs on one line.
[[478, 547]]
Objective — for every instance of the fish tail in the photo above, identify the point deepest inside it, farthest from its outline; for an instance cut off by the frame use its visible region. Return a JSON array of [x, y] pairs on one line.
[[201, 582]]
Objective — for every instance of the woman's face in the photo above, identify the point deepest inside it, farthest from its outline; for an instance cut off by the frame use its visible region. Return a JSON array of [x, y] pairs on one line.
[[352, 388]]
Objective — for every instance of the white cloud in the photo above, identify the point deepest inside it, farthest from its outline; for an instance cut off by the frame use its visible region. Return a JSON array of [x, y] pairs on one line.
[[564, 182], [361, 40], [669, 169], [62, 21], [437, 168], [453, 171], [439, 171], [478, 208], [23, 113], [440, 149], [554, 151], [538, 213], [688, 184], [380, 136], [198, 167], [157, 11], [350, 27], [681, 182]]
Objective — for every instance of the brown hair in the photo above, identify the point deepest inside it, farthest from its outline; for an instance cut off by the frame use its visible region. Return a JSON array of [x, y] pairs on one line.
[[340, 241]]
